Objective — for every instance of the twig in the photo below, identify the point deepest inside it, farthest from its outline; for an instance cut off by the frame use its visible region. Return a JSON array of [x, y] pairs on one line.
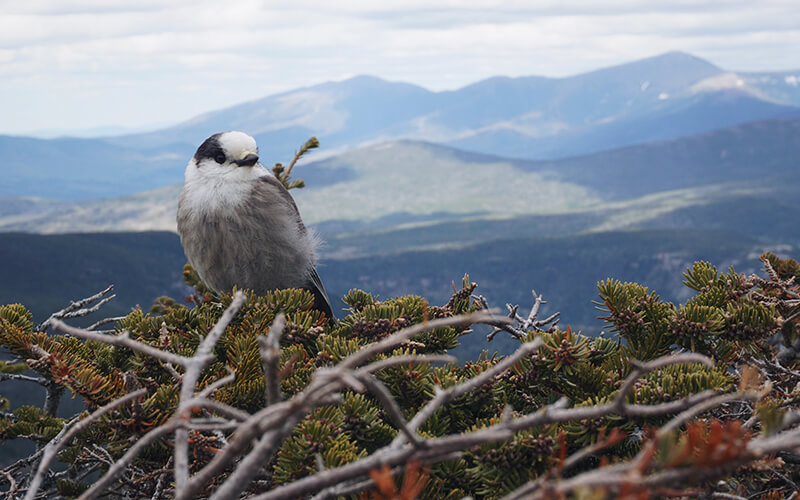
[[407, 359], [193, 368], [537, 303], [397, 338], [160, 483], [25, 378], [12, 483], [78, 308], [269, 348], [695, 410], [119, 466], [445, 396], [640, 369], [272, 421], [309, 144], [380, 391], [218, 383], [123, 340], [105, 321], [58, 442]]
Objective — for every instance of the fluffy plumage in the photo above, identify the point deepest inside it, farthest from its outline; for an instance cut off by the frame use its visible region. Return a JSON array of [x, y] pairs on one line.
[[239, 225]]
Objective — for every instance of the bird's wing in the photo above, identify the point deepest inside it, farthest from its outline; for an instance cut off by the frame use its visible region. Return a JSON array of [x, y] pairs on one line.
[[314, 285], [321, 301], [273, 185]]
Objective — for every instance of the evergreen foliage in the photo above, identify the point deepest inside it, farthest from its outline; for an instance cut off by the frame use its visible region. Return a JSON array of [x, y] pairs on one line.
[[731, 318]]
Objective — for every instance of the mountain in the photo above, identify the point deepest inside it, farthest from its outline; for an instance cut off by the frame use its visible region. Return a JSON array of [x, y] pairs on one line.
[[352, 110], [70, 168], [415, 183], [663, 97]]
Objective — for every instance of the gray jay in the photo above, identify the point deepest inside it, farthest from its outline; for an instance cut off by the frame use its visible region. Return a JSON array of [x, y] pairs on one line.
[[239, 225]]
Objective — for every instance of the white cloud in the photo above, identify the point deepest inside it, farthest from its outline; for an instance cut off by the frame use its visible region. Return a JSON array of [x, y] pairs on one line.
[[97, 62]]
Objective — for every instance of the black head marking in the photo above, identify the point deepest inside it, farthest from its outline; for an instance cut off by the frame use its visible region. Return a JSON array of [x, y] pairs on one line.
[[211, 148]]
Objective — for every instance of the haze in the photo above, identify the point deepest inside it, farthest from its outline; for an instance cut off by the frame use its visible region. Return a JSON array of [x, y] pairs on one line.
[[82, 66]]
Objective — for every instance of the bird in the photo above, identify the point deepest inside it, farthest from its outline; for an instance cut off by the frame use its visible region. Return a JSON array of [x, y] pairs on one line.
[[239, 226]]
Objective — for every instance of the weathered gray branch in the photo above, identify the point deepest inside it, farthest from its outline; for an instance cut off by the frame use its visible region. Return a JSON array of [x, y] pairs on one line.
[[270, 349], [58, 442], [188, 382], [78, 308]]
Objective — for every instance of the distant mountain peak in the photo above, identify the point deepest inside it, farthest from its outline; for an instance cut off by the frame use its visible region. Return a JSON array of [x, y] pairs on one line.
[[679, 56], [667, 63]]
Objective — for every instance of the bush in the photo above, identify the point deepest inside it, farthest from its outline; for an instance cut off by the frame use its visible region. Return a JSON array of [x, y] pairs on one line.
[[262, 395]]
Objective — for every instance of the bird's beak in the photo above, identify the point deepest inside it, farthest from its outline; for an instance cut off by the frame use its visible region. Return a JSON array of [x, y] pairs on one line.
[[248, 160]]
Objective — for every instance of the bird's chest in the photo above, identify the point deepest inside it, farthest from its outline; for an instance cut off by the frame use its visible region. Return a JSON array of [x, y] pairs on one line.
[[250, 246], [216, 197]]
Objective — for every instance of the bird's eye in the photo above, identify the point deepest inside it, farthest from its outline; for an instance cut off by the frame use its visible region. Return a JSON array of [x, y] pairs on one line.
[[220, 158]]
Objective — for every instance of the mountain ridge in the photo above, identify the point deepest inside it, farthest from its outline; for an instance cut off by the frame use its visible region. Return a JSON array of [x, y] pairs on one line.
[[656, 98], [383, 182]]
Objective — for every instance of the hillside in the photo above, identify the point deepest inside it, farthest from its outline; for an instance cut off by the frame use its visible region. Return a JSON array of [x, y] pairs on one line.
[[663, 97], [395, 183]]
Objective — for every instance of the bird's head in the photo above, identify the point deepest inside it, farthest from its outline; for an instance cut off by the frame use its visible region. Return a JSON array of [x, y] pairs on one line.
[[227, 150]]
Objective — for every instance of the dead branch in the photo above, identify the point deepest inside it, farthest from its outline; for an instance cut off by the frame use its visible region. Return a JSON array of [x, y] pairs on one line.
[[269, 348], [58, 442], [78, 308]]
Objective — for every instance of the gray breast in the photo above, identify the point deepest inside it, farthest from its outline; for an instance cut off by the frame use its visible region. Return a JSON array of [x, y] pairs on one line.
[[260, 244]]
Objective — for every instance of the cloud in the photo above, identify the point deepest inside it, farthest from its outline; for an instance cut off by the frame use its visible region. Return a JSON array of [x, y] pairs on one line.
[[132, 63]]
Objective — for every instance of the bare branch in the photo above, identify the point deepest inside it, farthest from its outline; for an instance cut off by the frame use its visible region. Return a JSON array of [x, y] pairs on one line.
[[380, 391], [269, 348], [407, 359], [321, 390], [119, 466], [53, 447], [217, 384], [25, 378], [537, 303], [193, 368], [78, 308], [444, 397], [397, 338], [700, 408], [122, 340], [105, 321]]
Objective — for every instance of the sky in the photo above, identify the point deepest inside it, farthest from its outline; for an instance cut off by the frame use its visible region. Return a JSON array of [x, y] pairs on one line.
[[76, 65]]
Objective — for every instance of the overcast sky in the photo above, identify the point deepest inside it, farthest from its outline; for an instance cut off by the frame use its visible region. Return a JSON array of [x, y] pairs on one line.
[[80, 64]]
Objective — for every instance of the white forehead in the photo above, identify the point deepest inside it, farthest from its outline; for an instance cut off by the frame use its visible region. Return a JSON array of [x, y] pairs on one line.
[[235, 143]]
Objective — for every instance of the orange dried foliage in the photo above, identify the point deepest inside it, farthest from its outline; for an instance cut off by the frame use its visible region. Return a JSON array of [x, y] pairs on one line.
[[709, 444], [414, 481]]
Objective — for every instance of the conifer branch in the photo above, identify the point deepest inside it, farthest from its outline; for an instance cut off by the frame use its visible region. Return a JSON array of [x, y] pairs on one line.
[[435, 449], [445, 396], [517, 403], [310, 144], [380, 391], [123, 340], [640, 369], [273, 421]]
